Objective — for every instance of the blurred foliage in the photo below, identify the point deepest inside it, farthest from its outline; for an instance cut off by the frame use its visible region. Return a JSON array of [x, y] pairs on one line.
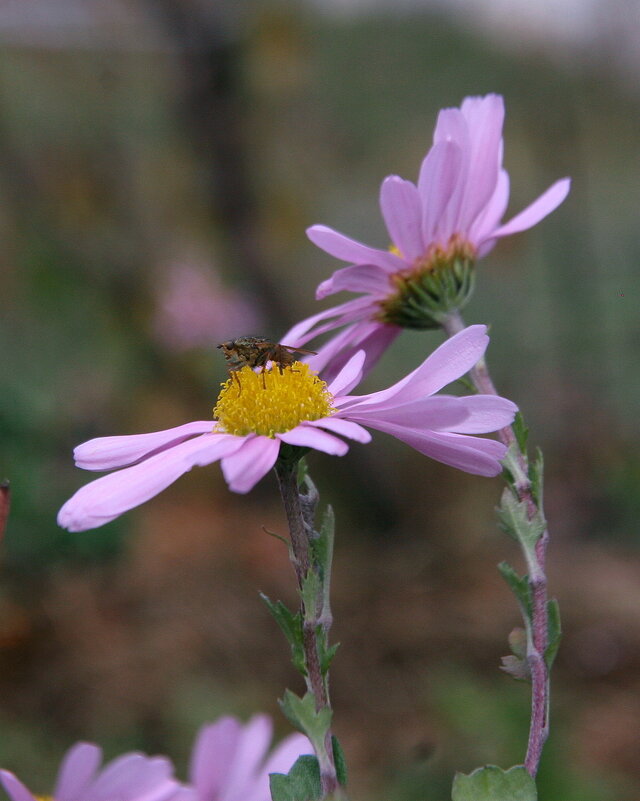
[[114, 169]]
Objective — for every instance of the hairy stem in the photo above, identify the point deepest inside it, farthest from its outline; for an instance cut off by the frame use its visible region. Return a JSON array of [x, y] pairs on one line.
[[539, 725], [301, 557]]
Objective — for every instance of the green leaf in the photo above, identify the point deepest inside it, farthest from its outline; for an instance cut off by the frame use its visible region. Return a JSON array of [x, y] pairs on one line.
[[302, 783], [494, 784], [514, 519], [303, 471], [339, 761], [326, 655], [536, 476], [554, 631], [521, 431], [302, 714], [311, 593], [291, 626], [520, 588]]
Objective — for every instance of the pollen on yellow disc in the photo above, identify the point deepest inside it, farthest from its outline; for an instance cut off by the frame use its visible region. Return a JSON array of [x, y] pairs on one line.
[[271, 402]]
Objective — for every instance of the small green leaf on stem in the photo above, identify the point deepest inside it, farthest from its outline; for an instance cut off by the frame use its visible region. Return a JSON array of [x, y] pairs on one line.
[[302, 783], [521, 432], [520, 588], [291, 626], [536, 476], [311, 593], [514, 520], [339, 761], [516, 664], [302, 713], [554, 632], [326, 654], [494, 784]]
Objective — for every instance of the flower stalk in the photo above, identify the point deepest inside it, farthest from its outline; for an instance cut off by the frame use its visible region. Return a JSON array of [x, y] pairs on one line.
[[535, 606], [313, 579]]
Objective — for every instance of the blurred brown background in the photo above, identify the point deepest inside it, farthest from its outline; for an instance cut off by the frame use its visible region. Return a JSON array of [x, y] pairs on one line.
[[159, 162]]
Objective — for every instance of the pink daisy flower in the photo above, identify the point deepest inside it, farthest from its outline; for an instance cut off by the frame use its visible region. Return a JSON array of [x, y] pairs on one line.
[[293, 407], [452, 215], [131, 777], [229, 761]]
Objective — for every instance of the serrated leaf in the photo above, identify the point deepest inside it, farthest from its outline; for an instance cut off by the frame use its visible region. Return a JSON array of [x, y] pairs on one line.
[[520, 588], [536, 476], [554, 632], [302, 783], [491, 783], [291, 625], [521, 432], [323, 545], [301, 712], [339, 761]]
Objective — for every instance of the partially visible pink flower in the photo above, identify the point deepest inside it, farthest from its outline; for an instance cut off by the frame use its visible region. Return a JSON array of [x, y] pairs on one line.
[[195, 309], [442, 427], [455, 209], [131, 777], [229, 761]]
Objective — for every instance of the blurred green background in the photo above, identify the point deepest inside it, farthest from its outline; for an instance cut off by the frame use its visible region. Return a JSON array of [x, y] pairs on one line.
[[159, 163]]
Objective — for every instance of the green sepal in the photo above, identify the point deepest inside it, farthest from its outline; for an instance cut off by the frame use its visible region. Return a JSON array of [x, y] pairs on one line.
[[520, 588], [339, 761], [514, 520], [513, 472], [521, 432], [302, 713], [291, 625], [536, 476], [554, 629], [491, 783], [302, 783]]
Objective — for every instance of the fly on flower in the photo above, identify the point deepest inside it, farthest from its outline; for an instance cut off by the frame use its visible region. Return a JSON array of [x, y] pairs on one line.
[[258, 352]]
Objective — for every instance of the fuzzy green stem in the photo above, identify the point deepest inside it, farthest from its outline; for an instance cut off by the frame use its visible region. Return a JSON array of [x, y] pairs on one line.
[[539, 725], [301, 557]]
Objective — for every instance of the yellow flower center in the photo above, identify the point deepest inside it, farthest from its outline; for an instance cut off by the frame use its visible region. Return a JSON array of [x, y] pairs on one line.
[[272, 401]]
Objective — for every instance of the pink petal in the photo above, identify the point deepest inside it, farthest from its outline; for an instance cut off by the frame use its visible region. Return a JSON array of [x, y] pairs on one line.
[[368, 335], [366, 278], [452, 128], [14, 787], [447, 363], [439, 177], [344, 313], [106, 453], [78, 768], [350, 375], [108, 497], [212, 754], [345, 428], [537, 210], [118, 779], [472, 454], [485, 223], [486, 413], [251, 748], [244, 468], [309, 437], [440, 413], [354, 252], [485, 118], [402, 211]]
